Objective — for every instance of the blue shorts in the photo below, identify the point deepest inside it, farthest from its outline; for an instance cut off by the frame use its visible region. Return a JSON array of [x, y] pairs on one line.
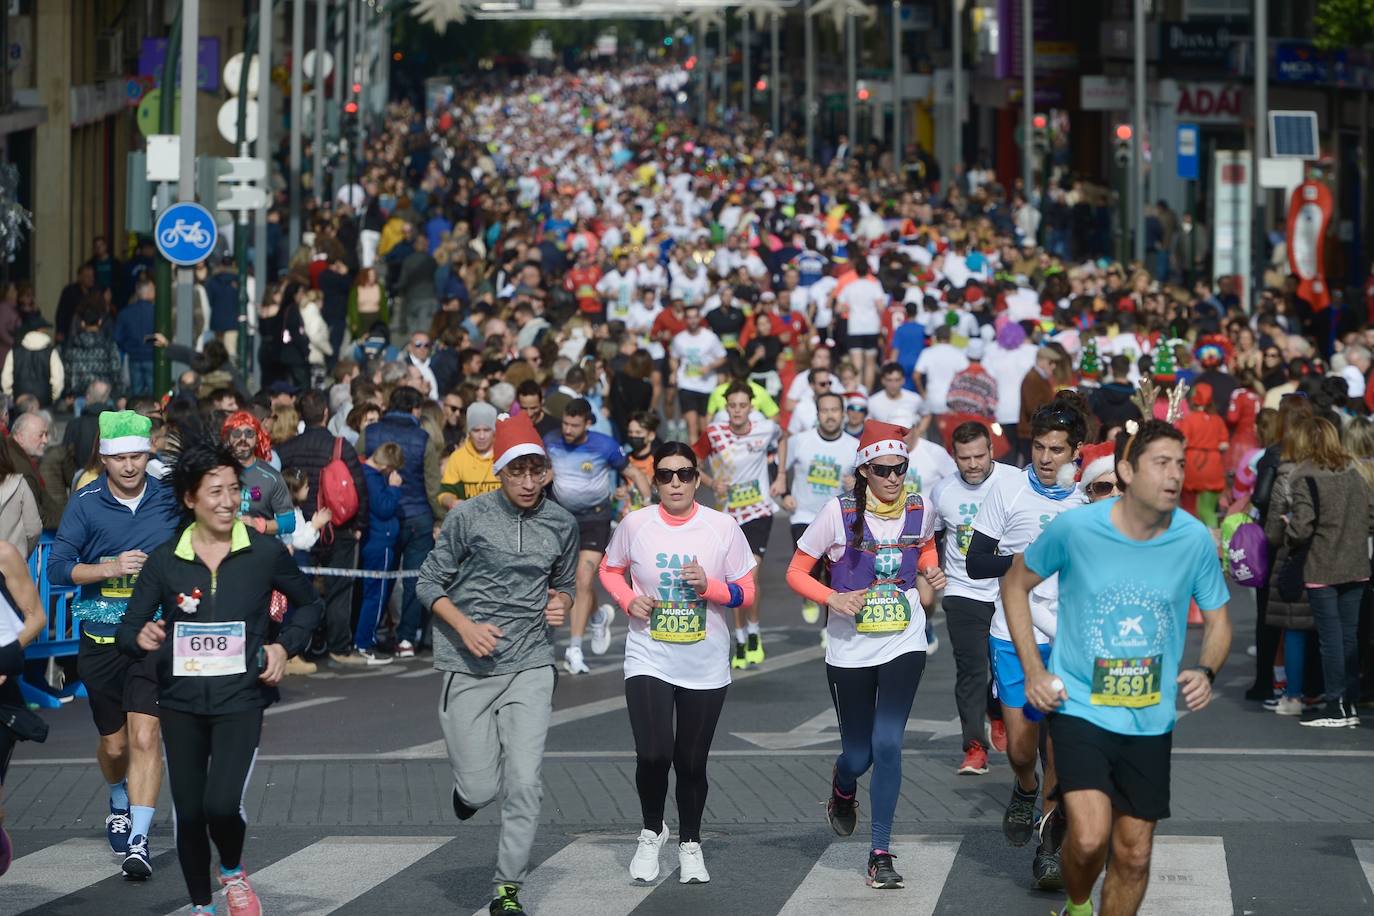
[[1008, 678]]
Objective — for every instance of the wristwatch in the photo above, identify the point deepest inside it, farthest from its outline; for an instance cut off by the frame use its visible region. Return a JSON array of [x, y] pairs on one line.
[[1211, 675]]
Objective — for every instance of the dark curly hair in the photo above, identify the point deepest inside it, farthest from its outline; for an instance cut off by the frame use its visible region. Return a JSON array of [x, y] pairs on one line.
[[198, 457]]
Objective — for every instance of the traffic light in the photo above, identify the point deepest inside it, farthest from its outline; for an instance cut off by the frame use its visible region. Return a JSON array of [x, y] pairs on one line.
[[862, 92], [667, 41], [761, 85], [1040, 138], [230, 185], [1122, 145], [690, 63]]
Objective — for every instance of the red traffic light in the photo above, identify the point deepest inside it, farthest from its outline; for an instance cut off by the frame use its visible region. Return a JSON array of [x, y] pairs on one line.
[[1040, 122], [690, 63], [1123, 131], [351, 108], [761, 86], [863, 95], [357, 88]]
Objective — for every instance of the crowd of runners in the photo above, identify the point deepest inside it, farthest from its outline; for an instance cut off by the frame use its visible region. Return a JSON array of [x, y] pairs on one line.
[[606, 319]]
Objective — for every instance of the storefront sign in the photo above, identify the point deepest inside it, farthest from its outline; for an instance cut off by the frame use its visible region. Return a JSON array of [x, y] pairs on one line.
[[153, 53], [1198, 44], [1104, 93], [1301, 62], [1209, 103]]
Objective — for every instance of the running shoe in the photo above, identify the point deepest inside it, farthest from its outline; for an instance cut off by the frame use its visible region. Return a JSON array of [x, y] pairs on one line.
[[975, 760], [572, 661], [644, 866], [1330, 714], [691, 864], [1352, 715], [1018, 823], [239, 894], [843, 813], [1288, 706], [738, 660], [881, 875], [374, 656], [506, 903], [997, 735], [461, 809], [599, 627], [6, 851], [932, 643], [1045, 868], [811, 611], [1065, 911], [349, 659], [136, 861], [405, 649], [117, 825], [1274, 702], [753, 652]]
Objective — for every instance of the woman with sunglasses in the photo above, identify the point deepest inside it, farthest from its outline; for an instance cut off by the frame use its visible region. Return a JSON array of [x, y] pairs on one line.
[[688, 567], [1097, 478], [879, 546]]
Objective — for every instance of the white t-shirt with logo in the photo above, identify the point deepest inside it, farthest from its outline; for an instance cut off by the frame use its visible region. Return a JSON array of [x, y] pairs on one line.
[[956, 506], [695, 355], [901, 410], [742, 462], [1014, 514], [865, 300], [927, 465], [939, 364], [846, 647], [655, 552], [819, 469]]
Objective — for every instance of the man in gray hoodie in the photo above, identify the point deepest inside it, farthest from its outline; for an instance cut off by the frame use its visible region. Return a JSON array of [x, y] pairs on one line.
[[500, 577]]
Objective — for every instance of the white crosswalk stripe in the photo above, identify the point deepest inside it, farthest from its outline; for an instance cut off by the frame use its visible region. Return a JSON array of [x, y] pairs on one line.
[[591, 869], [328, 874], [836, 880], [1364, 851], [55, 871], [1188, 874]]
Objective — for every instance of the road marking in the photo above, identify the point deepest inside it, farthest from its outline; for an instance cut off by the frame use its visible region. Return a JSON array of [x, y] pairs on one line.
[[1364, 851], [1188, 874], [299, 704], [55, 871], [327, 875], [589, 874], [836, 881], [419, 672], [822, 728]]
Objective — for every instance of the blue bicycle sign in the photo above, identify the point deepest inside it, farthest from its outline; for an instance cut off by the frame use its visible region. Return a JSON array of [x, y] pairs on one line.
[[185, 233]]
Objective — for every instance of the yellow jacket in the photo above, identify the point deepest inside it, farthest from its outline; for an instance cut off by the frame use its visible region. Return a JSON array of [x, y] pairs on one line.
[[468, 474]]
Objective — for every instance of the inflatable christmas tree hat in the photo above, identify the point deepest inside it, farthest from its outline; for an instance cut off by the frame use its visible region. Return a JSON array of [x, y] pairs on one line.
[[1165, 370], [1090, 365]]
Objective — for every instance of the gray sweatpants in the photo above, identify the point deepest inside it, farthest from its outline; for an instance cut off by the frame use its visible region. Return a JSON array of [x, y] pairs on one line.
[[494, 728]]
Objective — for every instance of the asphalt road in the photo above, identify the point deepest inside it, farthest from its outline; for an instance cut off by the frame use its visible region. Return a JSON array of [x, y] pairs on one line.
[[348, 806]]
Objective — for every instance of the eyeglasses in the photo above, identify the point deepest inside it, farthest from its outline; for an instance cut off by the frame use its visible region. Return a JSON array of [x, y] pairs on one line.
[[1101, 487], [664, 476], [453, 407], [529, 473], [888, 470], [420, 344], [243, 432]]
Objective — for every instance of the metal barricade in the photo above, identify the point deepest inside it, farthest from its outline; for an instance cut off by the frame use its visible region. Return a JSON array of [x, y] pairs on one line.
[[60, 638]]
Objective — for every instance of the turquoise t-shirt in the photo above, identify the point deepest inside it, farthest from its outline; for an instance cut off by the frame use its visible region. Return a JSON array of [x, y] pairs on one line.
[[1123, 613]]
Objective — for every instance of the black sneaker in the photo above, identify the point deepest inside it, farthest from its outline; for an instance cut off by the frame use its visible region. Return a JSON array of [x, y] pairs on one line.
[[881, 875], [1352, 714], [1330, 714], [506, 903], [460, 808], [843, 813], [1045, 869], [1018, 823]]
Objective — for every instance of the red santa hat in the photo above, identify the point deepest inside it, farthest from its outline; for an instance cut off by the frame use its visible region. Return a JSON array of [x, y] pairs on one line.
[[516, 437], [1097, 460], [881, 439]]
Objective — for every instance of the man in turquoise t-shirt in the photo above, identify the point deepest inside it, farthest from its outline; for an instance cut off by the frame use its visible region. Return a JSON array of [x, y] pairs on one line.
[[1128, 569]]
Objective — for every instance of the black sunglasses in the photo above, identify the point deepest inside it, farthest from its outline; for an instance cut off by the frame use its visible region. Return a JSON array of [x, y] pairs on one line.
[[1101, 487], [664, 476], [888, 470]]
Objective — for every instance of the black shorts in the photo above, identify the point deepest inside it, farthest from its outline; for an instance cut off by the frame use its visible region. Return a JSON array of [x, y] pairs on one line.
[[756, 533], [115, 684], [1133, 770], [863, 342], [593, 534], [693, 401]]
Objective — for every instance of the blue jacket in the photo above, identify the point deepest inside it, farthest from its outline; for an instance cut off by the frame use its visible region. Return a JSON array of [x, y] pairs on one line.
[[405, 431], [135, 322], [383, 500], [95, 527]]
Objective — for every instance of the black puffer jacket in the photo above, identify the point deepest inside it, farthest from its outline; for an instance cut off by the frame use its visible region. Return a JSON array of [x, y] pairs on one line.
[[240, 590]]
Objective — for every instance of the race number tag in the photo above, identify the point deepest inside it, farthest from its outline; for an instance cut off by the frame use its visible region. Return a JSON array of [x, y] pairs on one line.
[[118, 587], [823, 476], [1132, 682], [742, 495], [678, 621], [208, 649], [963, 537], [886, 610]]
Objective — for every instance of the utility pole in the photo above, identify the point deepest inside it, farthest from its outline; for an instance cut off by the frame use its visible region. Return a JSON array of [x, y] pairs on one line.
[[241, 149], [703, 87], [957, 86], [186, 174], [317, 77], [1028, 95], [744, 60], [293, 235], [851, 60], [264, 151], [724, 61], [1138, 136], [162, 306], [1261, 245], [809, 40], [897, 86], [774, 81]]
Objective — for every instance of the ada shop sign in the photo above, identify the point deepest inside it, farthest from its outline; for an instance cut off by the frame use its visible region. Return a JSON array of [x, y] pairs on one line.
[[1209, 103]]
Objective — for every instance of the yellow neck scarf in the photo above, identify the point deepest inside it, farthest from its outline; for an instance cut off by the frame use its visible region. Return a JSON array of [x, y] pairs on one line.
[[893, 509]]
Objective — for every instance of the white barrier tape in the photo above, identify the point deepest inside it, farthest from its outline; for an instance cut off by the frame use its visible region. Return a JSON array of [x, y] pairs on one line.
[[359, 573]]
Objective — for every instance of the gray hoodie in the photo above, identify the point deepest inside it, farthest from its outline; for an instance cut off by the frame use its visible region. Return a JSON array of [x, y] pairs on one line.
[[497, 563]]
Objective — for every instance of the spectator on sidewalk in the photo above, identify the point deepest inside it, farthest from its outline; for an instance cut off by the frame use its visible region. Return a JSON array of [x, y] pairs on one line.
[[133, 333]]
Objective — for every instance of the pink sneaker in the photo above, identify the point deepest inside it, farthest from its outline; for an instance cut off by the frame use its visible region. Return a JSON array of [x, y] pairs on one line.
[[240, 896]]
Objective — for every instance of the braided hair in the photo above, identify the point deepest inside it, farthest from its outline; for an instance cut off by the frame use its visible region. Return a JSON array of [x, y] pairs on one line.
[[860, 506]]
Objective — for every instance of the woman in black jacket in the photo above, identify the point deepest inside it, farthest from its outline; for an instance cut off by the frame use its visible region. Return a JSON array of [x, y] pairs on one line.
[[217, 661]]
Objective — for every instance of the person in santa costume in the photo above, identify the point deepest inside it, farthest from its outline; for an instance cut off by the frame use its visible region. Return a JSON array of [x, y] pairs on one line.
[[500, 578], [879, 546], [1097, 476]]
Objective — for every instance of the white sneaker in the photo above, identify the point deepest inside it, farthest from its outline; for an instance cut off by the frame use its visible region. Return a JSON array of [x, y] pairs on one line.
[[691, 864], [1289, 706], [572, 661], [644, 866], [933, 645], [600, 628]]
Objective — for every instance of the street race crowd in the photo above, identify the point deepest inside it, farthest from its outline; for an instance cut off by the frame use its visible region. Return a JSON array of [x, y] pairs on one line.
[[545, 326]]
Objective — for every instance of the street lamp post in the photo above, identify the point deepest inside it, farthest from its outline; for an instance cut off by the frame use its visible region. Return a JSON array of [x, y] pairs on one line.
[[1138, 137], [809, 40], [774, 83], [897, 85], [1027, 95], [293, 232]]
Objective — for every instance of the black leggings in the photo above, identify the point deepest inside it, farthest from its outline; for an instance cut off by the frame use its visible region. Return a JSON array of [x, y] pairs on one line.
[[10, 695], [209, 760], [651, 703]]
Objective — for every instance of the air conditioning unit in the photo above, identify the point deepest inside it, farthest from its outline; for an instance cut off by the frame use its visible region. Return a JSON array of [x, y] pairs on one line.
[[109, 53]]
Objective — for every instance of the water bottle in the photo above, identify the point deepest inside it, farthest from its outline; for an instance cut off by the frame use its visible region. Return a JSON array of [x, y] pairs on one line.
[[1032, 712]]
